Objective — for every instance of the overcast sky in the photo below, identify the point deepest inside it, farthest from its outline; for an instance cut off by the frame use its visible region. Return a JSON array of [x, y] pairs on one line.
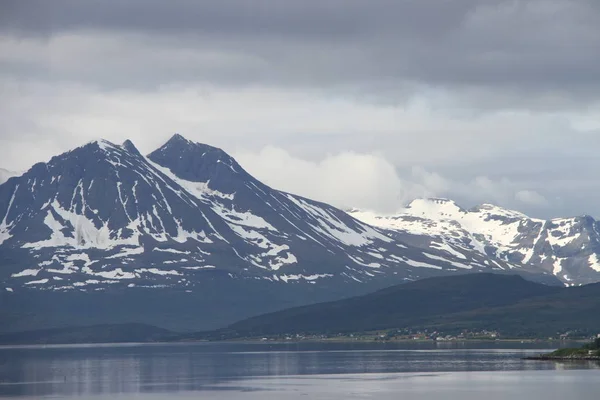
[[358, 103]]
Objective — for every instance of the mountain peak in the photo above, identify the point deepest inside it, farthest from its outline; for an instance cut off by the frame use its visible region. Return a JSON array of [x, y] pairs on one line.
[[178, 143], [432, 200], [197, 162], [177, 138], [434, 205], [101, 143], [499, 211], [105, 146], [130, 147]]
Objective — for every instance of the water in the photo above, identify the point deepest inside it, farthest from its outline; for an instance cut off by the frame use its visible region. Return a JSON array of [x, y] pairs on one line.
[[293, 370]]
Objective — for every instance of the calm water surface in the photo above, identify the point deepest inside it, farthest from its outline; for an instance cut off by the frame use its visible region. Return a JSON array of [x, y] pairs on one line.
[[294, 370]]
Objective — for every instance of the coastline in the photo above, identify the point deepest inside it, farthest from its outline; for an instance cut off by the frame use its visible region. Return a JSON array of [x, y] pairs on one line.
[[297, 341], [549, 357], [370, 340]]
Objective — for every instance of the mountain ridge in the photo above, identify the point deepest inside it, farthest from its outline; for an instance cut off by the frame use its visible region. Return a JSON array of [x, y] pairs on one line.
[[569, 248], [105, 218], [180, 194]]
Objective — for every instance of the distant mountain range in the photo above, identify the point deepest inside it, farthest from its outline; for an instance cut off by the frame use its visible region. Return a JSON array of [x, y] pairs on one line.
[[184, 238], [568, 248]]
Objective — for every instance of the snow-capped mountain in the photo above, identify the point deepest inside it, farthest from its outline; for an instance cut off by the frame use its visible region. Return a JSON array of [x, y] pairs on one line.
[[569, 248], [188, 218]]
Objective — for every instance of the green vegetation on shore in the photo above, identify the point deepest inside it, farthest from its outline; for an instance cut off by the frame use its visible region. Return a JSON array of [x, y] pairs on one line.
[[590, 351]]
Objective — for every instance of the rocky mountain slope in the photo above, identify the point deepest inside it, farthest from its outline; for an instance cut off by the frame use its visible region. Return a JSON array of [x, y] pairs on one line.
[[569, 248]]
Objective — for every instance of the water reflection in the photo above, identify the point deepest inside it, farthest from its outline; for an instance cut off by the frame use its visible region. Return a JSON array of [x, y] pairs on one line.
[[90, 370]]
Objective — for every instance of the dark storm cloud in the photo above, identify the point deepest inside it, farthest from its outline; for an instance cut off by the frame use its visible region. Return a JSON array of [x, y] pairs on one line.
[[255, 17], [531, 54]]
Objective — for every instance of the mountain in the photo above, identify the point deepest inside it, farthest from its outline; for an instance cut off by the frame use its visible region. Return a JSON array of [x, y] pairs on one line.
[[569, 248], [185, 238], [6, 175], [507, 304]]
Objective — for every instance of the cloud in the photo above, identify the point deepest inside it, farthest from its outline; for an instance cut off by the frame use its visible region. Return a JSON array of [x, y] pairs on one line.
[[495, 101], [500, 54], [487, 158], [480, 189], [305, 122], [369, 181], [531, 197], [346, 179]]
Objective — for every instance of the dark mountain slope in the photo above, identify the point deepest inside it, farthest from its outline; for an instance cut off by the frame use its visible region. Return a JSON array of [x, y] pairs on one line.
[[569, 309], [412, 304], [215, 302]]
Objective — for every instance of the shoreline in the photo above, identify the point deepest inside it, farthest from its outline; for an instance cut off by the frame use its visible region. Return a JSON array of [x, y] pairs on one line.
[[562, 358], [310, 341], [349, 340]]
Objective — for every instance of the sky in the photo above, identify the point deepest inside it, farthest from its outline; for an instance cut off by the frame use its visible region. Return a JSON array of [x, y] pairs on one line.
[[364, 104]]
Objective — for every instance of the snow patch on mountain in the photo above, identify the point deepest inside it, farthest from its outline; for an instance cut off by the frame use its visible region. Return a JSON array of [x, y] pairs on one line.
[[330, 226], [6, 227], [83, 232], [594, 262], [558, 245]]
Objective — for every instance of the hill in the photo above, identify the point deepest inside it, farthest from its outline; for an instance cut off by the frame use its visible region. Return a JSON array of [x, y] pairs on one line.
[[508, 304]]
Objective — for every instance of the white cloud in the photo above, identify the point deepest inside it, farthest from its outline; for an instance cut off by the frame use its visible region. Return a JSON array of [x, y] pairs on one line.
[[345, 179], [339, 150], [531, 197], [370, 181], [310, 123]]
